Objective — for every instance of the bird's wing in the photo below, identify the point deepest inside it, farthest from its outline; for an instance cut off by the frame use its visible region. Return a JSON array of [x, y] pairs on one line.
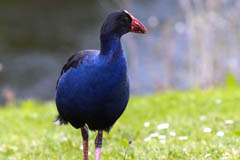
[[74, 61]]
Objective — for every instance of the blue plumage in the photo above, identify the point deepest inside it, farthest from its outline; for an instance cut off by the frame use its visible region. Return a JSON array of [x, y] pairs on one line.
[[96, 92], [93, 87]]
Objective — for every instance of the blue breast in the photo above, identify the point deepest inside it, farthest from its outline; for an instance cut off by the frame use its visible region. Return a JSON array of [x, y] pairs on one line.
[[95, 93]]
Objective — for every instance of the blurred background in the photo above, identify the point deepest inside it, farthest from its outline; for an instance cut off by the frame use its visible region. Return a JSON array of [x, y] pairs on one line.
[[190, 43]]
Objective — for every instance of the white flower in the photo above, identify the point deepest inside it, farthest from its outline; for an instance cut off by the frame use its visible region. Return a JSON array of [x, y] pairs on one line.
[[147, 139], [202, 118], [218, 101], [207, 130], [35, 115], [229, 121], [162, 126], [34, 143], [172, 133], [11, 158], [181, 138], [162, 141], [162, 137], [207, 155], [57, 123], [64, 139], [234, 151], [227, 154], [146, 124], [81, 147], [89, 153], [2, 149], [154, 135], [220, 133]]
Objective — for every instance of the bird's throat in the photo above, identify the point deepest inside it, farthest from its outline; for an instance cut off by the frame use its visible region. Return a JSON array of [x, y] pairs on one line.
[[111, 46]]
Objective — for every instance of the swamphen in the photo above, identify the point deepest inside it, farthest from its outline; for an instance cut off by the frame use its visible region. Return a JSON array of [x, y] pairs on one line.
[[93, 89]]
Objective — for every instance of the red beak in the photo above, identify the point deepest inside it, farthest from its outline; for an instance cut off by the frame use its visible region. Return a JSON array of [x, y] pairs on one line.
[[137, 26]]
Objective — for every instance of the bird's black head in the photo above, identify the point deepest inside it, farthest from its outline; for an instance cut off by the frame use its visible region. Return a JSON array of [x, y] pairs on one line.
[[121, 22]]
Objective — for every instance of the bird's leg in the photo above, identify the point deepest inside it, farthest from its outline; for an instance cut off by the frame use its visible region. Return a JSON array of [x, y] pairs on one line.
[[98, 145], [84, 130]]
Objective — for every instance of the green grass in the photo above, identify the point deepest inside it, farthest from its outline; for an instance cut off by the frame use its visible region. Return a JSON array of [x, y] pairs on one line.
[[27, 131]]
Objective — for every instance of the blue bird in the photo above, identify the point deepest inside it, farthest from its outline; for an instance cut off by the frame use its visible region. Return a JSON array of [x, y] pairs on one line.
[[93, 89]]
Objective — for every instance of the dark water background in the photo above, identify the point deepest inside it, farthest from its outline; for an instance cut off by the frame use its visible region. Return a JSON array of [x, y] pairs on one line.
[[37, 37]]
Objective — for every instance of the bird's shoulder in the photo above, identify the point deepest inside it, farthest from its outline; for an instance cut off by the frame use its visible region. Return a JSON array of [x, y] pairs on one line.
[[75, 60]]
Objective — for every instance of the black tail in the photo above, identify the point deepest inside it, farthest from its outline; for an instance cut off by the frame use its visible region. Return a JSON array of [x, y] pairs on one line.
[[61, 120]]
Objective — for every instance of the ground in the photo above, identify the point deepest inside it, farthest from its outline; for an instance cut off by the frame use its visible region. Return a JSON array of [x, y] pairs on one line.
[[171, 125]]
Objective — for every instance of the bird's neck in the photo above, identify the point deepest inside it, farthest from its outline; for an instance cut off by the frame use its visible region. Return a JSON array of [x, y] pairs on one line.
[[111, 45]]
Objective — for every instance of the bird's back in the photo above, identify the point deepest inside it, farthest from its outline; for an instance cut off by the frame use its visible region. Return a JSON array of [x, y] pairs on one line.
[[92, 89]]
